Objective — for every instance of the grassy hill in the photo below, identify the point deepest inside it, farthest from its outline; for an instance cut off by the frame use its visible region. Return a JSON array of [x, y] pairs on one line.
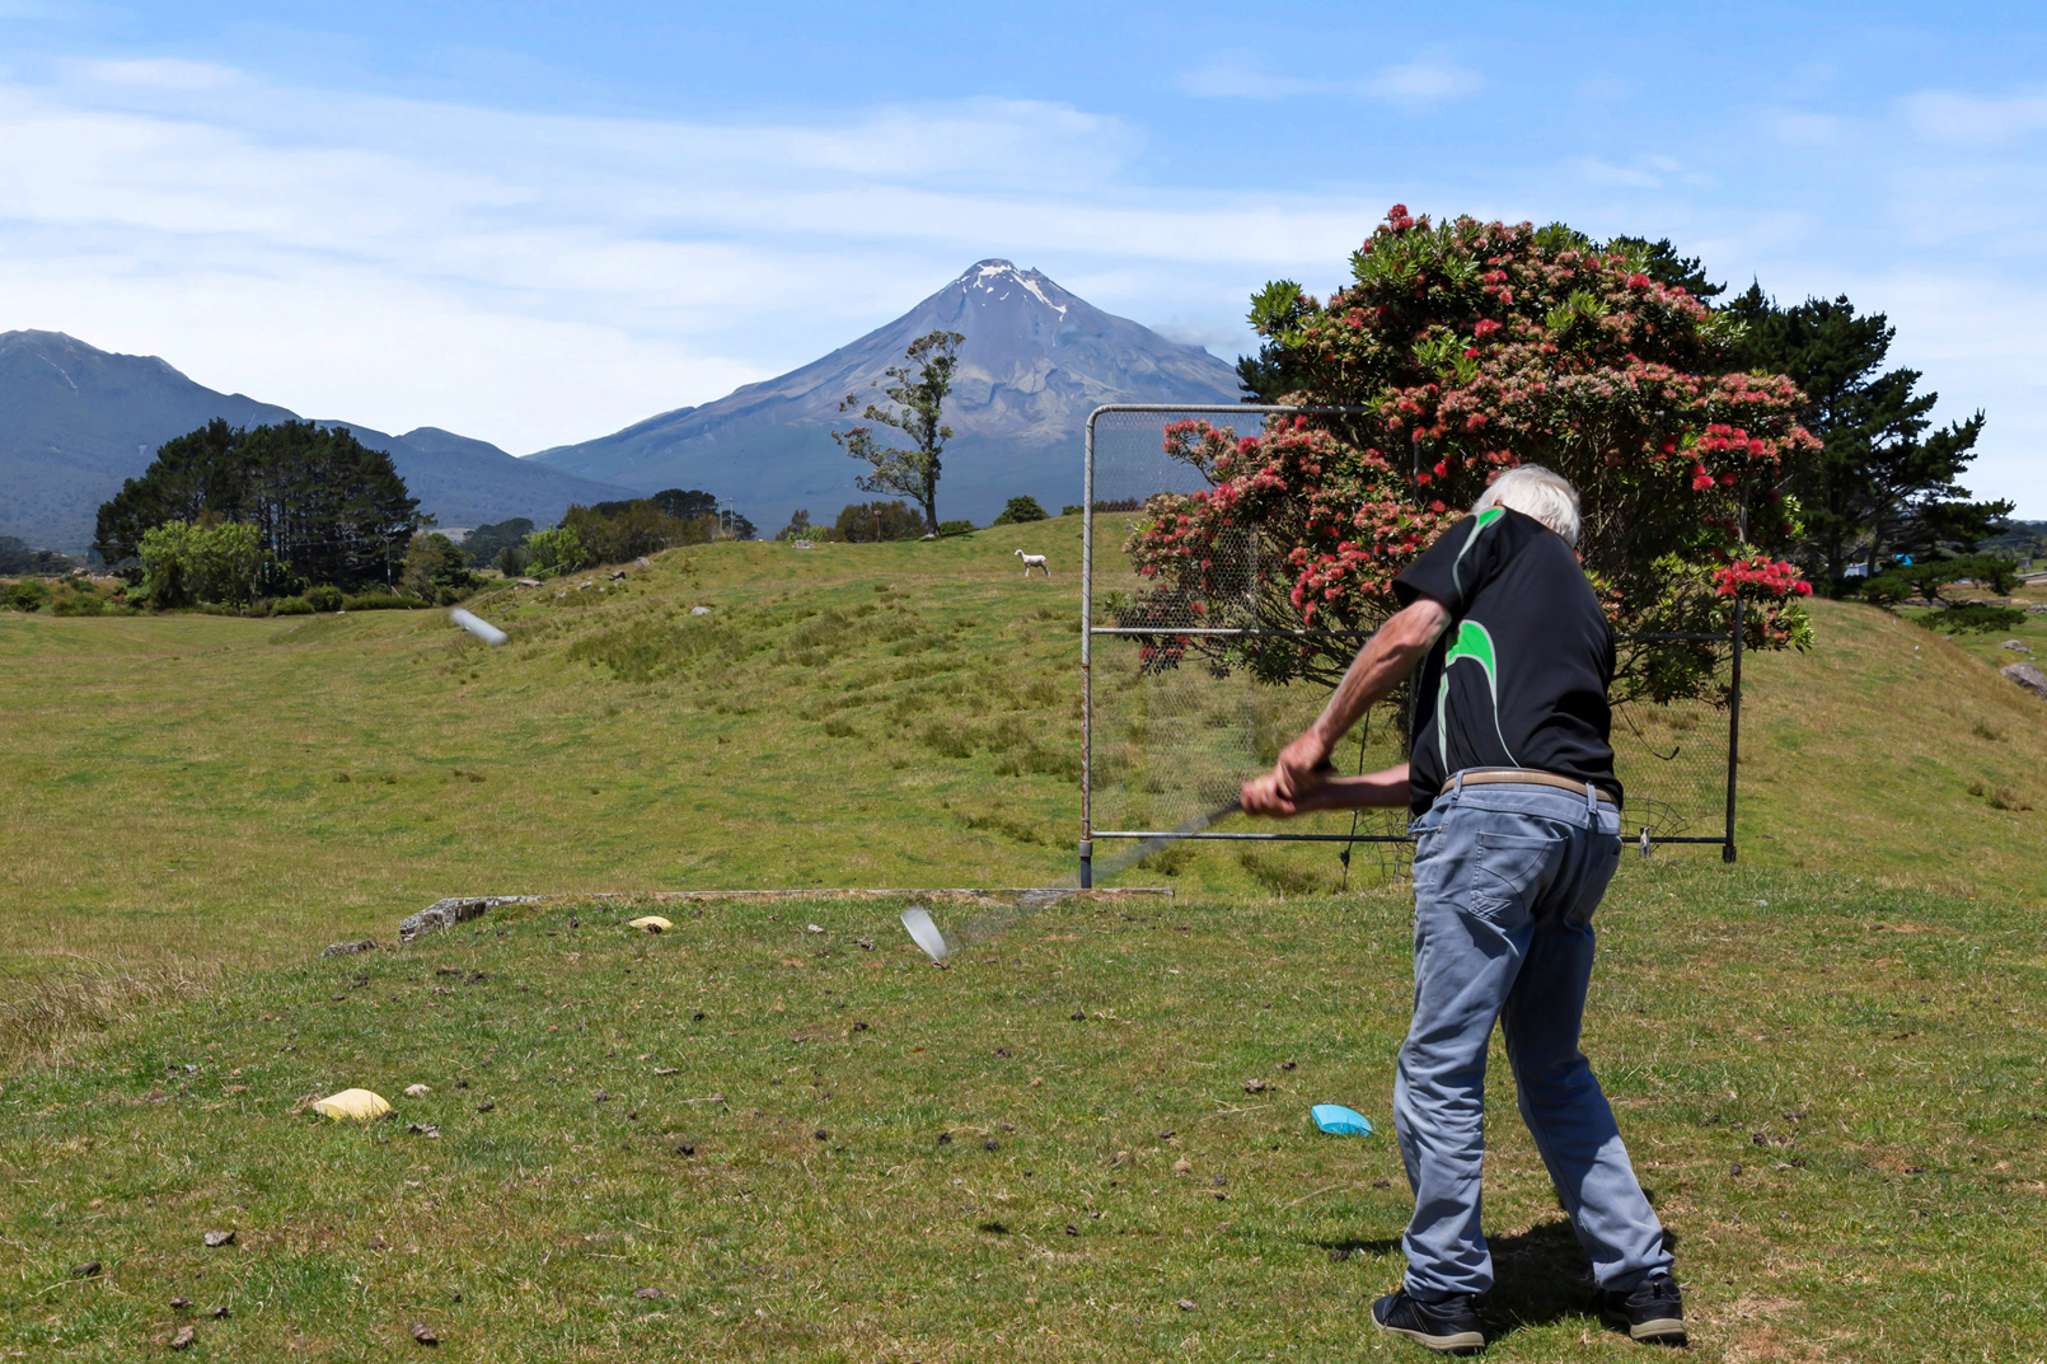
[[1827, 1058]]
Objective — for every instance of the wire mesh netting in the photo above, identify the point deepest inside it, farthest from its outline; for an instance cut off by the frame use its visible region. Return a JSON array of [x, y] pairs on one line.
[[1176, 721]]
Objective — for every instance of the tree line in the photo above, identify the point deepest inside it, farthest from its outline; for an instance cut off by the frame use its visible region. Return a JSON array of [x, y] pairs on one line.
[[297, 517]]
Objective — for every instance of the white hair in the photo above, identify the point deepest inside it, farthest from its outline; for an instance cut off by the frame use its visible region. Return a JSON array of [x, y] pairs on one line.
[[1538, 492]]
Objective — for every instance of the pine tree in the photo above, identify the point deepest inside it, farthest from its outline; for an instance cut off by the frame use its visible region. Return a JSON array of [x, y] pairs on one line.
[[1884, 482]]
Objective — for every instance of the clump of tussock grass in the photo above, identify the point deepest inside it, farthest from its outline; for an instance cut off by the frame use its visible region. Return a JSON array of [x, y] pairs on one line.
[[1983, 729], [647, 650], [1284, 878], [44, 1023], [1000, 822], [1040, 760], [1998, 797], [839, 727], [947, 739]]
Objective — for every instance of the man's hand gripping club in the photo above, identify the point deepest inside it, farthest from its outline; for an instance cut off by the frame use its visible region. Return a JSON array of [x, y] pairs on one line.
[[1300, 781]]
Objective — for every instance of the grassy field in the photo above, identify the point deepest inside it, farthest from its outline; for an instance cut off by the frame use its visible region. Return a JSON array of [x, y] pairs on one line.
[[1828, 1059]]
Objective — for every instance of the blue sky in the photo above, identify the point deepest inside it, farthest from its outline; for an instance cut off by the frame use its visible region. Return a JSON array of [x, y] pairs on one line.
[[537, 223]]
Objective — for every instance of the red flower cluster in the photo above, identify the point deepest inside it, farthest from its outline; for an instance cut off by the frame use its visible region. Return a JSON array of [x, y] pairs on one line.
[[1472, 347], [1763, 575]]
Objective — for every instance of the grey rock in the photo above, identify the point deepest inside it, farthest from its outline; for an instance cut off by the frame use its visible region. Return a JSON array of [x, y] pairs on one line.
[[2017, 646], [700, 610], [349, 949], [454, 910], [2029, 676]]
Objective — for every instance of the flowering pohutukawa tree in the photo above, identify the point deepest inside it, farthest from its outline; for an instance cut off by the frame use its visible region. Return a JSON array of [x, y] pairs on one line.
[[1466, 348]]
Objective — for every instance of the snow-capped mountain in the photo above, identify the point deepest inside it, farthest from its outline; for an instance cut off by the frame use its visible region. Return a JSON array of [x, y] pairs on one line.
[[1036, 360], [76, 420]]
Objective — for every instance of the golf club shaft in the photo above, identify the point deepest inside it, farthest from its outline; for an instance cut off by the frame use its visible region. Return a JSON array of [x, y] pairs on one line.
[[1124, 861]]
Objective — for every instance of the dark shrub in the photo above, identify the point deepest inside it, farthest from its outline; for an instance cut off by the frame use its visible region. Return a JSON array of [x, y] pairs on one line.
[[324, 597], [23, 596], [1020, 510], [1974, 618]]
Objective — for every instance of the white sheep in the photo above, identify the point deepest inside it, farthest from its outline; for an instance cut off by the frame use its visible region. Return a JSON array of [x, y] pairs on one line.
[[1031, 561]]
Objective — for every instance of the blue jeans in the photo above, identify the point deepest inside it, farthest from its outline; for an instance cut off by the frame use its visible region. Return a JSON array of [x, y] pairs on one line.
[[1506, 877]]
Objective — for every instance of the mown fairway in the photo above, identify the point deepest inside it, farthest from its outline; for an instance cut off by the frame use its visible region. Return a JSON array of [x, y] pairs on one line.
[[1828, 1060]]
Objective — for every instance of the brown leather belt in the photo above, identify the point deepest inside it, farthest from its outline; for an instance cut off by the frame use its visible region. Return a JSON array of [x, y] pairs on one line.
[[1523, 776]]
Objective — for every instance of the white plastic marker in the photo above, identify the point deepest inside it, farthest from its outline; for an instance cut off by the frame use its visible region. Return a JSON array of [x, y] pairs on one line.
[[482, 629], [917, 919]]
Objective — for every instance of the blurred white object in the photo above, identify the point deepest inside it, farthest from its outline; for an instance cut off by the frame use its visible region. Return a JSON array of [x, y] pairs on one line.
[[925, 934], [482, 629]]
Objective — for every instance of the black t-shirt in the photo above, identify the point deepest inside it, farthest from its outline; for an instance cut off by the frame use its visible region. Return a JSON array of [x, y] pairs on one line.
[[1519, 678]]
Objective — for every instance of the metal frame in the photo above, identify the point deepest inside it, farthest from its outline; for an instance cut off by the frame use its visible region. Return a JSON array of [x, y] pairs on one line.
[[1088, 631]]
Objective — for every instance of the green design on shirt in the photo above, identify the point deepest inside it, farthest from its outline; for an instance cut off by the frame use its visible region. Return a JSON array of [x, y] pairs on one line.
[[1480, 523], [1474, 642]]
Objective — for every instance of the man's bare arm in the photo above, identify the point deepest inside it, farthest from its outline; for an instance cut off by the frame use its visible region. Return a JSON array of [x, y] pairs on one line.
[[1388, 656], [1387, 787]]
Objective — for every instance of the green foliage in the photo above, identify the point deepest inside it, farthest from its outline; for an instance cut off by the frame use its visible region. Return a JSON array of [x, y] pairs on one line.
[[188, 565], [436, 570], [866, 523], [916, 394], [291, 606], [557, 551], [1661, 262], [1932, 578], [23, 596], [324, 597], [1974, 618], [487, 543], [951, 528], [323, 504], [799, 527], [511, 560], [1885, 480], [1019, 510], [617, 532]]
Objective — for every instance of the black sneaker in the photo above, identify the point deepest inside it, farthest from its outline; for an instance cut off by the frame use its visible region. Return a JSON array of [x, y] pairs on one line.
[[1450, 1325], [1651, 1310]]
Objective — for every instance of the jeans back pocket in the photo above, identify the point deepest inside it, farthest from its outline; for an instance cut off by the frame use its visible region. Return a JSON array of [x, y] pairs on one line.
[[1512, 872]]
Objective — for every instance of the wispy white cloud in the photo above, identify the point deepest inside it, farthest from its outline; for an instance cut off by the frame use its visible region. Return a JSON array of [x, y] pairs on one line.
[[529, 279], [1646, 172], [1950, 117], [1246, 75]]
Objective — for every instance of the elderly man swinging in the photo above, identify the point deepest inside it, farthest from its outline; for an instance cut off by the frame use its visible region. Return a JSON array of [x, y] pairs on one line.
[[1517, 827]]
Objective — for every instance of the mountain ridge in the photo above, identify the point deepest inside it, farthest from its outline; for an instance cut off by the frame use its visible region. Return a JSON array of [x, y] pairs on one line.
[[76, 420], [1037, 358]]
